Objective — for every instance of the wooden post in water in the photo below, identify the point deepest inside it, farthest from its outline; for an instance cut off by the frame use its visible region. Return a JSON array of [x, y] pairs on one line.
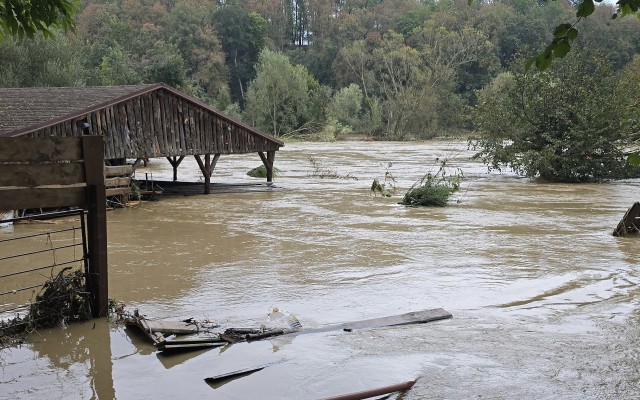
[[97, 279], [268, 163], [207, 169], [175, 163]]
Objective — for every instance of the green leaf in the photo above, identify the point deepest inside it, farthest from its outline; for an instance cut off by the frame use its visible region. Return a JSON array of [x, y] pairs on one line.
[[543, 61], [572, 34], [585, 8], [561, 30], [561, 49], [634, 159], [529, 63]]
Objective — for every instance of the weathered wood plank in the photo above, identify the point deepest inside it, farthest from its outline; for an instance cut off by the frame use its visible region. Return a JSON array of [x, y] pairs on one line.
[[133, 131], [117, 181], [415, 317], [118, 170], [27, 149], [157, 123], [176, 126], [117, 191], [630, 223], [116, 137], [13, 199], [183, 145], [32, 175]]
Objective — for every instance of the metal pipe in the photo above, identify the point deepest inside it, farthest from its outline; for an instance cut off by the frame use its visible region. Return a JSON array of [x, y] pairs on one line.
[[365, 394]]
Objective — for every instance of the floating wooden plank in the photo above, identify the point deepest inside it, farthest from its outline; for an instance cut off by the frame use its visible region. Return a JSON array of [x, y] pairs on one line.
[[239, 373], [190, 344], [176, 327], [365, 394], [416, 317], [630, 223]]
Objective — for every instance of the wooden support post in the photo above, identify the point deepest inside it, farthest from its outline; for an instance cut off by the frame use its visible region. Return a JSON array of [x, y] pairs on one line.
[[175, 163], [207, 169], [268, 163], [137, 164], [97, 279]]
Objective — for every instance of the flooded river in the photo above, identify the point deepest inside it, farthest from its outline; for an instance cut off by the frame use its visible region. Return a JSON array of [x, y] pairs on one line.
[[545, 301]]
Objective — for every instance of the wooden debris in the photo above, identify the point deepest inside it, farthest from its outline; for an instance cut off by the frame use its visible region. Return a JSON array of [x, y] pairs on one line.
[[155, 330], [190, 344], [233, 335], [415, 317], [365, 394], [238, 373], [630, 223]]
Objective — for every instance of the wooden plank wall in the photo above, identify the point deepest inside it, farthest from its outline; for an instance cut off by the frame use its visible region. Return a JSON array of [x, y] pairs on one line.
[[37, 173], [161, 124]]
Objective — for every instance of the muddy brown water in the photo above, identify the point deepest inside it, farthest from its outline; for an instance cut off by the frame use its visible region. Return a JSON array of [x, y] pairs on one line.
[[545, 300]]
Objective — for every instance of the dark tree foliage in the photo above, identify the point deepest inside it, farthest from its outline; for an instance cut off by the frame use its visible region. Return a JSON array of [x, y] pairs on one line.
[[25, 18], [555, 124]]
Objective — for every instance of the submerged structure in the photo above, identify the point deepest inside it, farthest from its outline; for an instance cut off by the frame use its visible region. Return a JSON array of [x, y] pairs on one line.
[[138, 122]]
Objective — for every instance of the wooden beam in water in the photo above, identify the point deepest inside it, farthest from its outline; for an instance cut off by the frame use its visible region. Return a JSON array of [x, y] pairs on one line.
[[415, 317], [630, 223]]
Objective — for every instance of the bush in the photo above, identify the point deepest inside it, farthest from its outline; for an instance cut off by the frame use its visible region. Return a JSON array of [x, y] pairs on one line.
[[554, 124], [261, 172], [433, 190]]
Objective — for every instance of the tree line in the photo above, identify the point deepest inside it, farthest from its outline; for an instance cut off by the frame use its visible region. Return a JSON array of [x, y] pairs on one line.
[[390, 69]]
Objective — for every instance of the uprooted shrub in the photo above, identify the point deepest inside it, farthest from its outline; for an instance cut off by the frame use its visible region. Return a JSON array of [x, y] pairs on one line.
[[433, 190], [62, 299]]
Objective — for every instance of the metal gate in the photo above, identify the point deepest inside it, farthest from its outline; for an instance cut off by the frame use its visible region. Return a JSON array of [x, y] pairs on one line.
[[35, 250]]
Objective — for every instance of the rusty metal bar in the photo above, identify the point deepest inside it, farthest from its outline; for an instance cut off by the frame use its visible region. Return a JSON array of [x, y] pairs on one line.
[[365, 394]]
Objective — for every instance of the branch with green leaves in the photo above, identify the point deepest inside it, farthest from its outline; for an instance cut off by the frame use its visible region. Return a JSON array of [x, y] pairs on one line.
[[565, 34], [25, 18]]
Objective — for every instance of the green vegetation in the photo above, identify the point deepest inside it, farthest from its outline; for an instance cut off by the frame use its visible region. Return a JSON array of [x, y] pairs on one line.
[[261, 172], [385, 187], [554, 124], [26, 18], [321, 70], [434, 190]]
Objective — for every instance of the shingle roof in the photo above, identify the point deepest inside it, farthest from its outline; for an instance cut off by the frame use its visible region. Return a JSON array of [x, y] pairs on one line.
[[24, 107]]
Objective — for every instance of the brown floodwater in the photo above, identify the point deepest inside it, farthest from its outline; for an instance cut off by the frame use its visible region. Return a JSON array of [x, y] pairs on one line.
[[545, 301]]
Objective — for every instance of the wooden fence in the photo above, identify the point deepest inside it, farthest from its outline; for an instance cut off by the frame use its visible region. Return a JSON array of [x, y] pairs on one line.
[[59, 172]]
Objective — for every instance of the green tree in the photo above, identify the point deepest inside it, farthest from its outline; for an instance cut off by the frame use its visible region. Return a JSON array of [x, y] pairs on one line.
[[242, 36], [554, 124], [278, 99], [42, 62], [346, 106], [22, 18], [118, 67]]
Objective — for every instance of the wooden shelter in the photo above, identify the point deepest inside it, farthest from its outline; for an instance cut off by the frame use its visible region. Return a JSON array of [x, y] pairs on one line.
[[137, 122]]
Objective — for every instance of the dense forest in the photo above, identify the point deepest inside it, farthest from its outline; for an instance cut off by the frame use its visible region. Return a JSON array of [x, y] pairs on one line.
[[389, 69]]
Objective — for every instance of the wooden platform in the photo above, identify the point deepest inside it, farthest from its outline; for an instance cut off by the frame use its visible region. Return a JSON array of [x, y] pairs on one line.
[[197, 188]]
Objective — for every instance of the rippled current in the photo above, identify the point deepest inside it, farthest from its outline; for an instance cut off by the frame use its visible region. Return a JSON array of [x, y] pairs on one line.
[[545, 301]]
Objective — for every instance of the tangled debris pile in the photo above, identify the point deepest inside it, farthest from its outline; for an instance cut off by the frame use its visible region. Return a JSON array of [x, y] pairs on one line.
[[62, 299]]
